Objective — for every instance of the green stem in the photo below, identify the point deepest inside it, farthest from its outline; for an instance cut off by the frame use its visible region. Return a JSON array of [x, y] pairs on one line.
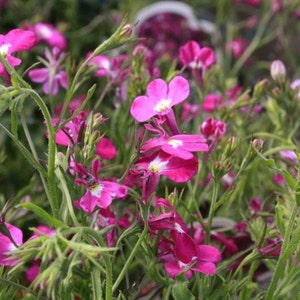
[[130, 258], [279, 270], [33, 150], [25, 87], [211, 210]]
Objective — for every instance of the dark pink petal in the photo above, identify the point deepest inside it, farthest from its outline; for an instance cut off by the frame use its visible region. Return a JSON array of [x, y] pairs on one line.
[[105, 200], [39, 75], [207, 268], [185, 248], [32, 272], [181, 170], [173, 268], [96, 166], [88, 202], [20, 40], [106, 149], [189, 52], [153, 144], [179, 90], [157, 90], [142, 108], [209, 253], [207, 56]]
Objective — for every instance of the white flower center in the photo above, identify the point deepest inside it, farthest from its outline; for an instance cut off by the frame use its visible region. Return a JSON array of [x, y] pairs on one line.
[[175, 143], [45, 32], [157, 165], [162, 105], [195, 64], [4, 49], [96, 190]]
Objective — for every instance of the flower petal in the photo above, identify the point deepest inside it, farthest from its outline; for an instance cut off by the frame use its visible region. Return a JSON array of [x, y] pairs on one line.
[[179, 89]]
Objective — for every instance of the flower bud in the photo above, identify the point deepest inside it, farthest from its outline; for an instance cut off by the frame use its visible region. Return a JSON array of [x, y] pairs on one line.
[[278, 71], [127, 31]]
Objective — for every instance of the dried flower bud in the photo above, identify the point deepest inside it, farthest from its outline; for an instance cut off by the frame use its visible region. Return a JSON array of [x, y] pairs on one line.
[[278, 71]]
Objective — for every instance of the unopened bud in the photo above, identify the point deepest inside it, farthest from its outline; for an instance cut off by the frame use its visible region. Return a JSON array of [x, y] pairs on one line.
[[260, 87], [258, 144], [127, 31], [278, 71]]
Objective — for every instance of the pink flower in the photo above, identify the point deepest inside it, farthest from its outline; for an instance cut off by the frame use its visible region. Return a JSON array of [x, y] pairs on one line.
[[190, 257], [211, 102], [174, 168], [14, 41], [161, 163], [103, 64], [69, 134], [99, 193], [193, 56], [10, 238], [160, 99], [213, 130], [289, 156], [181, 145], [106, 149], [189, 112], [167, 218], [49, 34], [51, 76], [238, 47], [278, 179]]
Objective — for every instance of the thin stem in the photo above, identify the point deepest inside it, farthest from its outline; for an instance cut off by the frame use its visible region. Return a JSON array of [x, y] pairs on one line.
[[279, 270], [211, 210], [130, 258]]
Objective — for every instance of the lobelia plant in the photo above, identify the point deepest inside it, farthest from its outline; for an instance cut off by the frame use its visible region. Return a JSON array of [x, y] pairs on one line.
[[141, 170]]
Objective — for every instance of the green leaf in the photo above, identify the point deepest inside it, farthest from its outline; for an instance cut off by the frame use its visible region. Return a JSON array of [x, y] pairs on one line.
[[42, 214], [290, 180], [181, 291]]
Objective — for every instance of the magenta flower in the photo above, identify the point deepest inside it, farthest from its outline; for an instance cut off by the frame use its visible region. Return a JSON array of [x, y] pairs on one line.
[[51, 76], [69, 134], [212, 102], [181, 145], [189, 257], [106, 149], [99, 193], [213, 130], [14, 41], [49, 34], [174, 168], [193, 56], [160, 99], [9, 244]]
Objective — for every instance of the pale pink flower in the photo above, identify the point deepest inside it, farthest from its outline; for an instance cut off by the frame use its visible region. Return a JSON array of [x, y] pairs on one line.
[[14, 41], [289, 155], [193, 56], [160, 99], [51, 76]]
